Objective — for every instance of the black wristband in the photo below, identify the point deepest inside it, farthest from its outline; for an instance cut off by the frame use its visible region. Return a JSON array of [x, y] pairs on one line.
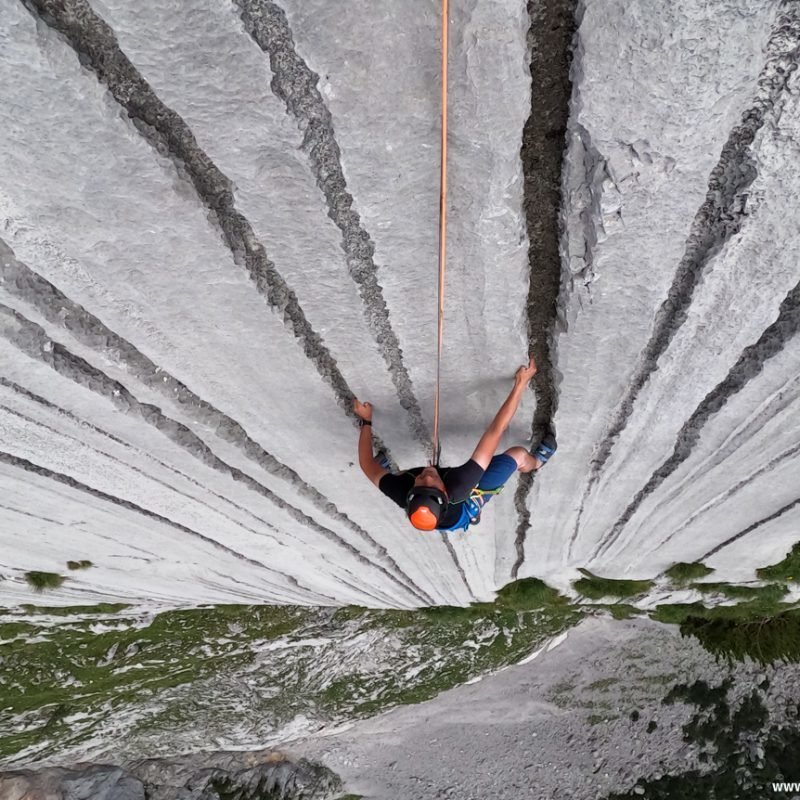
[[366, 422]]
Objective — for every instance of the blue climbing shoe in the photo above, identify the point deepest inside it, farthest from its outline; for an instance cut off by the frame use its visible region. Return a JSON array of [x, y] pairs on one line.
[[546, 447]]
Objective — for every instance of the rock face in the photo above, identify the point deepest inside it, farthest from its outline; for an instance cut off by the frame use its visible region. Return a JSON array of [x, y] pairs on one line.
[[220, 224], [204, 776]]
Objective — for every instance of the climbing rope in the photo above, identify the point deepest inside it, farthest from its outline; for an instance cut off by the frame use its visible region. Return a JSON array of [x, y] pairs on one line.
[[437, 448]]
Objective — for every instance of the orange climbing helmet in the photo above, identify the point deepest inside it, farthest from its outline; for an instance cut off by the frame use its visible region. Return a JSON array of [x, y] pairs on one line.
[[425, 507]]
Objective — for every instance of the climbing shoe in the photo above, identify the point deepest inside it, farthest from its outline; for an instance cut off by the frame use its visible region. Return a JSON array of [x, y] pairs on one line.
[[546, 447]]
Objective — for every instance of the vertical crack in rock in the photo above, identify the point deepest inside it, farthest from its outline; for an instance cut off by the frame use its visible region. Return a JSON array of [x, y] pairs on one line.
[[749, 365], [791, 453], [87, 425], [32, 516], [32, 340], [750, 528], [22, 282], [28, 466], [63, 412], [553, 24], [718, 220], [146, 475], [97, 48], [450, 549], [296, 85]]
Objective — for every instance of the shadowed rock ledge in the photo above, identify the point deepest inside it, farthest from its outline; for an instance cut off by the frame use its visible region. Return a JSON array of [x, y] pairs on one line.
[[263, 775]]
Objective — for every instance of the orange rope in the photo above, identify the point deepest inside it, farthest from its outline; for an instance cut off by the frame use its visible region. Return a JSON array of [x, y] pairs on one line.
[[442, 230]]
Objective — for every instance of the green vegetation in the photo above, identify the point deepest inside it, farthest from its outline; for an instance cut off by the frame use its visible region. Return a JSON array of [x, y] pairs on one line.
[[786, 570], [623, 611], [764, 596], [597, 588], [761, 627], [768, 640], [69, 611], [530, 593], [50, 672], [759, 602], [683, 572], [83, 564], [676, 613], [477, 639], [742, 751], [98, 659], [39, 581], [63, 664]]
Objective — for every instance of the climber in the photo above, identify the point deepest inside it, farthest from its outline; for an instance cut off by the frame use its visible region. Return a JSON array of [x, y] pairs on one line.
[[451, 498]]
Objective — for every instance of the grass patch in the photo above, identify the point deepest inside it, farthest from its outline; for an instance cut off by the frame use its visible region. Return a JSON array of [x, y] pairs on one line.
[[623, 611], [763, 595], [676, 613], [68, 611], [597, 588], [530, 593], [41, 581], [83, 564], [683, 571], [786, 570]]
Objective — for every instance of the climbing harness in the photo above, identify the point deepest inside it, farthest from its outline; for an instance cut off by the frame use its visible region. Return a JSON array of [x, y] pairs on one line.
[[437, 448], [471, 510]]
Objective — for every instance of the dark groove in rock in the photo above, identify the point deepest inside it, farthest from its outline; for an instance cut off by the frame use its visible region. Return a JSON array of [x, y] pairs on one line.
[[750, 528], [767, 412], [749, 365], [97, 49], [32, 340], [63, 412], [28, 466], [791, 453], [553, 24], [521, 497], [141, 472], [718, 220], [296, 85], [32, 516], [450, 549], [22, 282], [170, 487]]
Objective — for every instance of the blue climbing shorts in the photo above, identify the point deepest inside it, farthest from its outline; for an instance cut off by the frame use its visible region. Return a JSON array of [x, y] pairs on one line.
[[500, 469]]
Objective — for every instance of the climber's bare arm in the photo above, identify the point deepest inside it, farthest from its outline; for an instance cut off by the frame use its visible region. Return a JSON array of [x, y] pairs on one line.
[[366, 460], [490, 440]]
